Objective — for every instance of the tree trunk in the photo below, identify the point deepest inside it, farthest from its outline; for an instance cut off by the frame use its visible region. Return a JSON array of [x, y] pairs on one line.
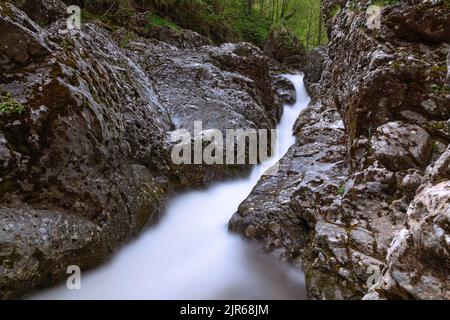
[[249, 7], [319, 36], [308, 35]]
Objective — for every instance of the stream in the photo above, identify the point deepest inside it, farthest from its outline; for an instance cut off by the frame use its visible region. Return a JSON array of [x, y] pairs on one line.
[[191, 255]]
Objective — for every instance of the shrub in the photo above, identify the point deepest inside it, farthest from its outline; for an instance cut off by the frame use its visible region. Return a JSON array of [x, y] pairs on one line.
[[9, 105]]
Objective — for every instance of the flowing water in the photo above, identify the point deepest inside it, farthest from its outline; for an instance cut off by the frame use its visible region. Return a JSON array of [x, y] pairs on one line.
[[191, 255]]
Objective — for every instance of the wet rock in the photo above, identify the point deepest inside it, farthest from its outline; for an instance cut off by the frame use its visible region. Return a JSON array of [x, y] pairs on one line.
[[45, 242], [284, 90], [274, 227], [418, 260], [427, 22], [226, 87], [22, 39], [43, 12], [401, 146], [314, 66], [5, 154], [182, 39], [285, 47], [407, 74]]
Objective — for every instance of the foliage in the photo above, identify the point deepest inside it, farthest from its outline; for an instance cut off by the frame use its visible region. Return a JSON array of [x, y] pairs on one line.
[[155, 20], [335, 10], [383, 3], [9, 105], [221, 20], [341, 190]]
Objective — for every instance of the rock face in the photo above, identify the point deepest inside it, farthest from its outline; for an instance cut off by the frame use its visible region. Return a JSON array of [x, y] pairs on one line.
[[418, 261], [315, 63], [362, 204], [401, 146], [285, 47], [86, 164]]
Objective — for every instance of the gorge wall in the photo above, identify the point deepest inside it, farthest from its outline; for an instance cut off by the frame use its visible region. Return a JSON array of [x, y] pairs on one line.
[[363, 199]]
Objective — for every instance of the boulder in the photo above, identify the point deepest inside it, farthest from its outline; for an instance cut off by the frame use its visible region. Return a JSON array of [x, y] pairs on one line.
[[314, 66], [43, 12], [285, 47], [418, 260], [182, 39], [400, 146], [22, 39]]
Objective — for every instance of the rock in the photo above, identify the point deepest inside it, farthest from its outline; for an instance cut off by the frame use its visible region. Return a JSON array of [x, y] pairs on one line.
[[400, 146], [274, 227], [418, 260], [315, 65], [285, 90], [226, 87], [5, 155], [411, 182], [427, 21], [182, 39], [44, 245], [43, 12], [22, 39], [447, 80], [285, 47], [406, 74]]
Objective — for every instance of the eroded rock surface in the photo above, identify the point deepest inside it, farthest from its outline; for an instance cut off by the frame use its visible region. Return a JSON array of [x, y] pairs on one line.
[[361, 205]]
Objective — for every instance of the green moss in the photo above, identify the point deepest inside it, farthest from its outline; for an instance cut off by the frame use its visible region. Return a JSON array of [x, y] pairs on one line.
[[438, 89], [384, 3], [341, 190], [335, 10], [67, 45], [157, 21], [435, 146], [125, 39], [9, 105], [438, 125], [439, 69], [5, 10]]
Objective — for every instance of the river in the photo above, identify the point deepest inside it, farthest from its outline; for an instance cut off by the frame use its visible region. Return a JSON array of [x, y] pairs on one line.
[[191, 255]]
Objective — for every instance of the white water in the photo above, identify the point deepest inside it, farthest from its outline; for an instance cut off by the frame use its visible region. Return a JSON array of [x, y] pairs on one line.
[[191, 254]]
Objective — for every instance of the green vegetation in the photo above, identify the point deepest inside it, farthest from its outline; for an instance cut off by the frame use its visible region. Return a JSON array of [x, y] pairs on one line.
[[155, 20], [335, 10], [384, 3], [125, 39], [440, 89], [341, 190], [439, 69], [9, 105], [220, 20], [435, 146], [438, 125]]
